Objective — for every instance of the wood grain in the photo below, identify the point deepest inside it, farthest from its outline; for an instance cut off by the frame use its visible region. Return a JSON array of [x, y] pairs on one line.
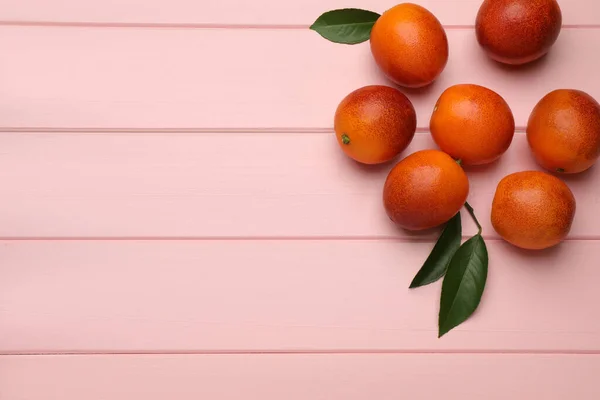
[[280, 295], [278, 12], [300, 377], [95, 78], [223, 185]]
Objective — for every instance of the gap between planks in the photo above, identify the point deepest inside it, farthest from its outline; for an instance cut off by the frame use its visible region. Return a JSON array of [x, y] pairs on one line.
[[89, 24], [303, 352], [358, 238], [283, 130]]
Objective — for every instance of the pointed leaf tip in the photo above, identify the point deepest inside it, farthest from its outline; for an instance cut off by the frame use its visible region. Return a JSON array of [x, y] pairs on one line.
[[463, 284]]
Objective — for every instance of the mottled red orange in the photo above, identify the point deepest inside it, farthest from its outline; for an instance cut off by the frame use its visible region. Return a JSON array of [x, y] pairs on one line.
[[425, 190], [374, 124], [518, 31]]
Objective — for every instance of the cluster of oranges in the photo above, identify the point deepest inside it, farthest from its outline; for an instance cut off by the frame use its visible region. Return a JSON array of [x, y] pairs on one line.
[[471, 125]]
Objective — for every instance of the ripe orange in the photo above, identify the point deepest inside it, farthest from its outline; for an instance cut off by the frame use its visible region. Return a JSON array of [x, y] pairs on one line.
[[409, 45], [374, 124], [518, 31], [424, 190], [564, 131], [533, 210], [472, 123]]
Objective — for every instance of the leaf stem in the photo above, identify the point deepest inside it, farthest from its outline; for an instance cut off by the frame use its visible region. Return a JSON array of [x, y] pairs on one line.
[[472, 212]]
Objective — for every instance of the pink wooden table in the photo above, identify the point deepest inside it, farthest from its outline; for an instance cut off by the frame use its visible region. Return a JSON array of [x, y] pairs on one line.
[[177, 221]]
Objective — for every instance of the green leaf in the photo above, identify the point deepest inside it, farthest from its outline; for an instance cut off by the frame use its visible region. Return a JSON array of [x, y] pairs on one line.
[[463, 285], [437, 263], [346, 26]]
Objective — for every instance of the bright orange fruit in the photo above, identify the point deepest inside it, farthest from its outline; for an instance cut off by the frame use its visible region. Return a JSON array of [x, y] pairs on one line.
[[472, 123], [374, 124], [533, 210], [409, 45], [425, 190], [563, 131]]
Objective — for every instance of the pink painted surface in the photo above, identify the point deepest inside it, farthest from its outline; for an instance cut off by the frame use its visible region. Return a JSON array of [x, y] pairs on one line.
[[310, 295], [244, 12], [234, 185], [211, 137], [301, 377], [199, 79]]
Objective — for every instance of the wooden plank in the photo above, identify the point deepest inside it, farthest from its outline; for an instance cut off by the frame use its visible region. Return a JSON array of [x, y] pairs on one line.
[[301, 377], [462, 12], [282, 295], [57, 77], [222, 185]]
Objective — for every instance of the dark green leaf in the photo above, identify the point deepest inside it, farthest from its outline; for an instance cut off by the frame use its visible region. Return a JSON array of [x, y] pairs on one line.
[[436, 264], [463, 285], [347, 26]]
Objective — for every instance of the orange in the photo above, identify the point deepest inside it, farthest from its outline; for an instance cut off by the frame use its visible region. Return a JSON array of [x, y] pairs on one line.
[[374, 124], [533, 210], [472, 123], [424, 190], [564, 131], [518, 31], [409, 45]]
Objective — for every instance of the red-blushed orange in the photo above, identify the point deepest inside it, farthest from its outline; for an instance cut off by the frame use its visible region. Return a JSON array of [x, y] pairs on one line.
[[425, 190], [518, 31], [374, 124]]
